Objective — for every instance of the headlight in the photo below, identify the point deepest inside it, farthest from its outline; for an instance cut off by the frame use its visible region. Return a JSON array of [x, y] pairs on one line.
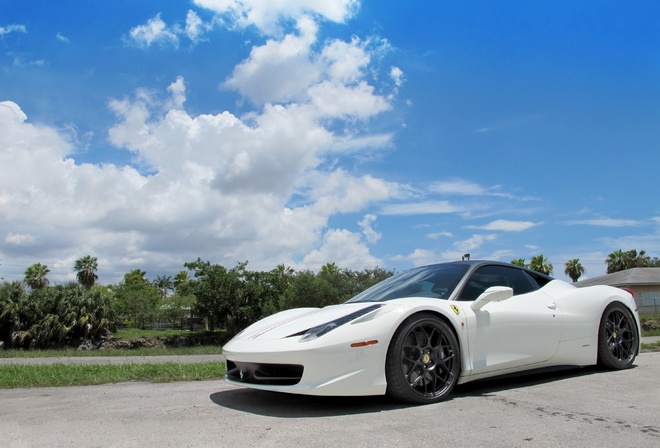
[[327, 327]]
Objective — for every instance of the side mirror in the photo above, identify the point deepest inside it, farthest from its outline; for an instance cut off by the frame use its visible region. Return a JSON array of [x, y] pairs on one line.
[[492, 294]]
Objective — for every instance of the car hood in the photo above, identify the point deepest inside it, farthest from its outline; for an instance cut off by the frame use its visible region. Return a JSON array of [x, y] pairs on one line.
[[297, 321]]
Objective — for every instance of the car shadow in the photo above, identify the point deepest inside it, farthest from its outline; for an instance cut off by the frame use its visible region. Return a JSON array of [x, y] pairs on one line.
[[277, 404], [528, 378]]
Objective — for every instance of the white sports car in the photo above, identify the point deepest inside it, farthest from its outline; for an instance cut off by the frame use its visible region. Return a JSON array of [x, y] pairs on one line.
[[419, 333]]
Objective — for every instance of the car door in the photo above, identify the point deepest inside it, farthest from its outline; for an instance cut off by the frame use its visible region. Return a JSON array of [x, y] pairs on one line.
[[522, 330]]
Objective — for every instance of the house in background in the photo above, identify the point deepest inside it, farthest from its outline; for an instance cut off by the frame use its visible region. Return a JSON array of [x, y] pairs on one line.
[[643, 282]]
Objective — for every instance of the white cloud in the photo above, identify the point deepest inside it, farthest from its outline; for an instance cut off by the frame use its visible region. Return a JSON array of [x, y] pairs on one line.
[[506, 225], [220, 190], [458, 186], [606, 222], [338, 100], [267, 15], [345, 62], [420, 257], [219, 187], [462, 187], [20, 239], [420, 208], [436, 235], [260, 187], [195, 26], [13, 28], [474, 242], [279, 70], [397, 76], [367, 230], [62, 38], [343, 248], [155, 31], [178, 91]]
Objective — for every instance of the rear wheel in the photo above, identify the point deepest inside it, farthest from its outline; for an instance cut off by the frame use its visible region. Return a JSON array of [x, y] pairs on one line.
[[617, 338], [423, 360]]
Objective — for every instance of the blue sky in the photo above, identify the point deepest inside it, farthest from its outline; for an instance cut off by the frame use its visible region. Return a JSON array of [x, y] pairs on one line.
[[297, 132]]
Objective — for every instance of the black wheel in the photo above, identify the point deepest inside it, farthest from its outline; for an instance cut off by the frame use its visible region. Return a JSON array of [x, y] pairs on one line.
[[423, 360], [617, 338]]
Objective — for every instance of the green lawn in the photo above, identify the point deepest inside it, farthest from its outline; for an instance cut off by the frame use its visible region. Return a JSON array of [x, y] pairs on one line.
[[14, 376], [156, 351], [650, 324]]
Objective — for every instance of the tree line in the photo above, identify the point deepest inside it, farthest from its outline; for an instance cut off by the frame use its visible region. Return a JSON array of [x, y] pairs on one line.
[[616, 261], [35, 314]]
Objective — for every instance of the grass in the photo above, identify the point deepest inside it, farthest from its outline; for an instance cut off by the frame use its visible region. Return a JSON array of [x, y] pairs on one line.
[[654, 347], [155, 351], [136, 333], [650, 320], [57, 375]]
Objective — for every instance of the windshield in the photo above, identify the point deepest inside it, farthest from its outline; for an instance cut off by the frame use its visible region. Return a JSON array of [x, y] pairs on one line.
[[436, 282]]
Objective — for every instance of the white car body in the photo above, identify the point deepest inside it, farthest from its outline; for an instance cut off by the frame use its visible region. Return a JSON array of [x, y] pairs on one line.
[[556, 325]]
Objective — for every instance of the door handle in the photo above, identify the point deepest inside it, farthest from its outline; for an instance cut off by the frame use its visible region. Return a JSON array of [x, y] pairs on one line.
[[552, 306]]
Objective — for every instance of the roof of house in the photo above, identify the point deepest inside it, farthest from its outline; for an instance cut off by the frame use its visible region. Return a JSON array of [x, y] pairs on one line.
[[629, 277]]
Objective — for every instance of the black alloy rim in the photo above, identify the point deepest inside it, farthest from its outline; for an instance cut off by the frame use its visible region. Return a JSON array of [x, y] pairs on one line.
[[620, 336], [427, 359]]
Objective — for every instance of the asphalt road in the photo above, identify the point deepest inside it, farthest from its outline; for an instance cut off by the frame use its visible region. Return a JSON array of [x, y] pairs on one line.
[[577, 408]]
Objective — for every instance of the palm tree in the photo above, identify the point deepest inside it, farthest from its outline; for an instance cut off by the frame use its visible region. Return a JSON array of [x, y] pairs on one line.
[[541, 264], [615, 261], [620, 261], [35, 276], [518, 262], [85, 269], [640, 260], [164, 284], [574, 269]]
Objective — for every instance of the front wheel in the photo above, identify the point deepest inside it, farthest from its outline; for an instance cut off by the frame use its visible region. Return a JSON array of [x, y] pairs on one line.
[[423, 360], [617, 338]]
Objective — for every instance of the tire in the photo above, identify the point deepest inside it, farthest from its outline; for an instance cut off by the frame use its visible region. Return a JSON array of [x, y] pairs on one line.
[[617, 338], [423, 360]]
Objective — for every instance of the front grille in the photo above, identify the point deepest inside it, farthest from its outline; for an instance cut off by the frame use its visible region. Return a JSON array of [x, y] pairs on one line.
[[269, 374]]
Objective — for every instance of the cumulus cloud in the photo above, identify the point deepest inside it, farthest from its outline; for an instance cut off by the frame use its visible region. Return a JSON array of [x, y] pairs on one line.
[[267, 16], [155, 31], [261, 187], [219, 189], [369, 233], [474, 242], [280, 70], [195, 27], [331, 80], [397, 76], [221, 186], [419, 257], [340, 244]]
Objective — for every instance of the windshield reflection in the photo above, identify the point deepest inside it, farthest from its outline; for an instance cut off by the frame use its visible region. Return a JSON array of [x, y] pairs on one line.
[[436, 282]]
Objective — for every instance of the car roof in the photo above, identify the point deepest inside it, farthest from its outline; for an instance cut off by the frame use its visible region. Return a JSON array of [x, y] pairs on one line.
[[474, 264]]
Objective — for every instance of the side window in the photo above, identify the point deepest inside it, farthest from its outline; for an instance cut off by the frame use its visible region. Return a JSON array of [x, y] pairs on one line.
[[487, 276]]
